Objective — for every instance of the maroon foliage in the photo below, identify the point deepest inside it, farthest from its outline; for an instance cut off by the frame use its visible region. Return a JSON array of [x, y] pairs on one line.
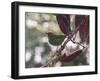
[[64, 23], [78, 20], [70, 57], [82, 22], [87, 40]]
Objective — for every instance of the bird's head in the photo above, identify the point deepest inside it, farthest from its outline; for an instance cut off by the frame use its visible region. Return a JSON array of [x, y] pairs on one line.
[[49, 33]]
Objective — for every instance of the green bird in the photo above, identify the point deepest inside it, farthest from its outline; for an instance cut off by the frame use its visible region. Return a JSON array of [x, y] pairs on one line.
[[55, 39]]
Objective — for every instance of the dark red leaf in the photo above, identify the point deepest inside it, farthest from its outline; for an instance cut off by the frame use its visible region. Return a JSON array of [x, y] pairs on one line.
[[82, 21], [64, 23], [87, 40], [78, 20], [71, 57]]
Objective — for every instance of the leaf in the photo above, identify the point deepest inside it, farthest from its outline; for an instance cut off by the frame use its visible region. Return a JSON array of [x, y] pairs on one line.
[[82, 21], [55, 39], [78, 20], [87, 40], [64, 23], [70, 57]]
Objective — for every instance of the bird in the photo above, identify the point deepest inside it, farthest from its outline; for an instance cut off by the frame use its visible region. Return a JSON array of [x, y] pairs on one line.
[[55, 40]]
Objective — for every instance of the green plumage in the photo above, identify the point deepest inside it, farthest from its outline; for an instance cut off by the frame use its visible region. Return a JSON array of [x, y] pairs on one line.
[[55, 39]]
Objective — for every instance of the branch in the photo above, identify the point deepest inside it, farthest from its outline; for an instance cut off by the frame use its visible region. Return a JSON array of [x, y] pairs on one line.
[[55, 57]]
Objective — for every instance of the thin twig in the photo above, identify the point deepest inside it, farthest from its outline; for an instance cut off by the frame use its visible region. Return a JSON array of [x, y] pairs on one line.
[[54, 57]]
